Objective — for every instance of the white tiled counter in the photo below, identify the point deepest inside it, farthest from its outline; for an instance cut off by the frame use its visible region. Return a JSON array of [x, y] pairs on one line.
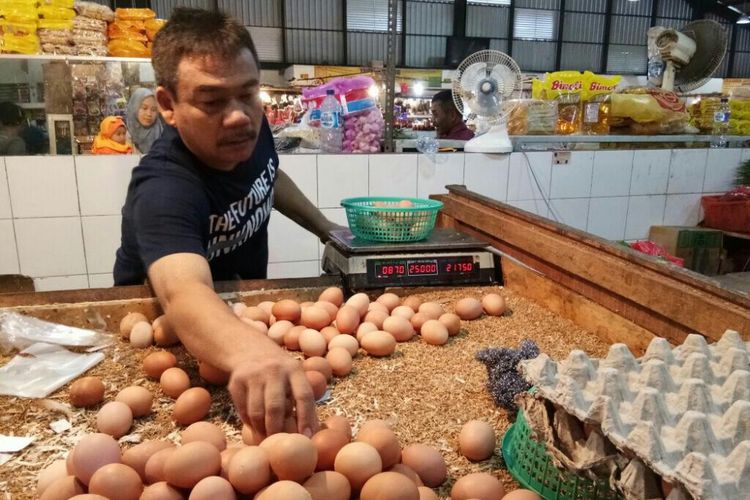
[[60, 215]]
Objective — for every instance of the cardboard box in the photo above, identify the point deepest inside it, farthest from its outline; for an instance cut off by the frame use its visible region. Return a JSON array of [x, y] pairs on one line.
[[700, 247]]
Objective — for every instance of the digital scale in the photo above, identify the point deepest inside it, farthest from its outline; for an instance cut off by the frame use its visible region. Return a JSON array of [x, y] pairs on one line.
[[446, 257]]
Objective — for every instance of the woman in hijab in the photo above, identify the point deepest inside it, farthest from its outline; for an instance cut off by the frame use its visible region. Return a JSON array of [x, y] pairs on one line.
[[143, 120]]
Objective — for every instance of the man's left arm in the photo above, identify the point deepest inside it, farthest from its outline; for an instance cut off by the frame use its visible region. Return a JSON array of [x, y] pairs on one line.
[[290, 201]]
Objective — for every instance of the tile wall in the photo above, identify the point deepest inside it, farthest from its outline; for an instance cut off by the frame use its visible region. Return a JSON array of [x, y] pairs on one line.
[[60, 216]]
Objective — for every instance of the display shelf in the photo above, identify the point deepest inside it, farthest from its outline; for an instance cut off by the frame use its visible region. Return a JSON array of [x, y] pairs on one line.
[[545, 139], [62, 57], [31, 105]]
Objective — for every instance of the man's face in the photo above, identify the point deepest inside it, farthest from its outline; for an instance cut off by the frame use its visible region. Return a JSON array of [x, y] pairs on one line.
[[442, 119], [217, 108]]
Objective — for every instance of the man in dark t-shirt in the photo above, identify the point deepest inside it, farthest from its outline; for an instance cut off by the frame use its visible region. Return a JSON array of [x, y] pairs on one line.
[[197, 210]]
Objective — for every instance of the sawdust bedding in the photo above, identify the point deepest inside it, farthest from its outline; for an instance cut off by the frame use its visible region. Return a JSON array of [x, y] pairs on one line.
[[425, 392]]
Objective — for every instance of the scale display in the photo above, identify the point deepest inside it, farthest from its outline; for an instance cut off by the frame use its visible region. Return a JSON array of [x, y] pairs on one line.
[[406, 270]]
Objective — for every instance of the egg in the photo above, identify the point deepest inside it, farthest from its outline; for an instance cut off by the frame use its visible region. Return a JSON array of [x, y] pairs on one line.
[[211, 374], [318, 364], [92, 452], [161, 491], [127, 322], [137, 456], [329, 332], [142, 334], [250, 436], [287, 309], [452, 322], [434, 332], [412, 302], [249, 470], [358, 462], [267, 305], [192, 462], [328, 442], [116, 481], [524, 495], [359, 301], [226, 456], [258, 326], [174, 381], [339, 423], [328, 485], [418, 320], [333, 295], [426, 493], [477, 440], [213, 488], [385, 441], [158, 362], [427, 462], [389, 300], [373, 423], [138, 398], [56, 470], [291, 456], [399, 327], [191, 406], [114, 418], [318, 383], [154, 469], [347, 319], [207, 432], [315, 317], [376, 318], [329, 308], [311, 342], [291, 338], [63, 489], [403, 311], [432, 310], [468, 308], [238, 308], [408, 472], [365, 327], [255, 313], [379, 343], [345, 341], [391, 486], [164, 334], [86, 391], [277, 331], [477, 485], [493, 304], [378, 307], [288, 490]]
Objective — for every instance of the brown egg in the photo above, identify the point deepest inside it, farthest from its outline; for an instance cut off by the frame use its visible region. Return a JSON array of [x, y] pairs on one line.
[[142, 334], [339, 423], [385, 441], [306, 303], [478, 485], [412, 302], [191, 406], [363, 328], [213, 488], [452, 322], [331, 309], [347, 342], [426, 493], [329, 332], [477, 440], [418, 320], [318, 364], [432, 310], [238, 308], [390, 300], [427, 462], [291, 338], [277, 331], [86, 391], [288, 490], [63, 489], [391, 486], [164, 334], [434, 332], [255, 313], [333, 295], [347, 319], [127, 322], [379, 343], [373, 423], [376, 318], [328, 442], [358, 462], [158, 362], [174, 381], [251, 437], [267, 305], [114, 418], [378, 307], [468, 308], [328, 485], [69, 463], [137, 456], [258, 326], [408, 472], [399, 327], [205, 431], [116, 481], [56, 470], [211, 374], [192, 462], [315, 317], [493, 304], [287, 309], [340, 361], [360, 301], [291, 456], [161, 491], [92, 452], [523, 495], [403, 311], [138, 398], [226, 456], [154, 469], [312, 343], [249, 470], [318, 383]]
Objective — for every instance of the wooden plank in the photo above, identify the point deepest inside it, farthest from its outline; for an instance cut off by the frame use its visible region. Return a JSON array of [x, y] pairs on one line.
[[587, 314]]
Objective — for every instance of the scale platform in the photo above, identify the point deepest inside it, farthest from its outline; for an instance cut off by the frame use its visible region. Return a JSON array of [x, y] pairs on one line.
[[445, 258]]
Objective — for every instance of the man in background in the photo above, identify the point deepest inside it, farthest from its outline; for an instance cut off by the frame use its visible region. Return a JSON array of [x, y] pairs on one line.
[[11, 124], [449, 123]]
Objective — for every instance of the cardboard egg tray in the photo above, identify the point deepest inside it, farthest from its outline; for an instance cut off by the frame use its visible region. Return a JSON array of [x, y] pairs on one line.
[[683, 411]]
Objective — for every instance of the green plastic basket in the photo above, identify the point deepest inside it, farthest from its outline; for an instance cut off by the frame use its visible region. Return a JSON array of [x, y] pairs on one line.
[[529, 464], [391, 219]]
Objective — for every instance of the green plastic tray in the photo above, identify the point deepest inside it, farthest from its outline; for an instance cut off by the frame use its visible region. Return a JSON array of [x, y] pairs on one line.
[[386, 219]]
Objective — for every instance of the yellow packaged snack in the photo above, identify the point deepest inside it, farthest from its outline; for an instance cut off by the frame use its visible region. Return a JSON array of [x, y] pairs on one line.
[[20, 12], [153, 26], [134, 14], [128, 48], [51, 12], [597, 92], [68, 4], [537, 89], [566, 87], [17, 28], [12, 44], [55, 24]]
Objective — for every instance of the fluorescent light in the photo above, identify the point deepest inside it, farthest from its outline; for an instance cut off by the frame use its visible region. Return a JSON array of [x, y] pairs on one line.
[[418, 88], [264, 97], [743, 19], [373, 91]]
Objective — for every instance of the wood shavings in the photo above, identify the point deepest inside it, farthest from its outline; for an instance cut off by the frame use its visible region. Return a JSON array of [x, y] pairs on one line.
[[56, 407], [60, 426]]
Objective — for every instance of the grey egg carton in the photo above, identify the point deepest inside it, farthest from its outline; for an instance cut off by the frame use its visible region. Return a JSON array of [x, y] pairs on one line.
[[683, 411]]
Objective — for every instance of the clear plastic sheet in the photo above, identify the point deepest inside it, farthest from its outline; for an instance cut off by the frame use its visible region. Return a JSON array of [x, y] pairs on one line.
[[18, 332]]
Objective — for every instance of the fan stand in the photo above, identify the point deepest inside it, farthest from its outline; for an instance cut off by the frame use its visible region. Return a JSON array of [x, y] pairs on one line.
[[495, 140]]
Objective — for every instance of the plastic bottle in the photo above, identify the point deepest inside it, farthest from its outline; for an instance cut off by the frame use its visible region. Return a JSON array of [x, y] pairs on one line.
[[721, 125], [330, 124]]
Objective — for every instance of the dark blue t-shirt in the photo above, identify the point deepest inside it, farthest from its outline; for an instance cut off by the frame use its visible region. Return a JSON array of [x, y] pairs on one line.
[[176, 204]]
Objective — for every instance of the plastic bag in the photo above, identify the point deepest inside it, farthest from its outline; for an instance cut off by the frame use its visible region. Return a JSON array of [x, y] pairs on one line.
[[134, 14], [18, 332], [12, 44], [94, 11], [68, 4], [55, 37], [656, 250], [363, 131], [20, 12], [18, 28], [130, 30], [128, 48], [566, 88], [597, 93], [50, 12], [55, 24], [86, 23], [153, 26]]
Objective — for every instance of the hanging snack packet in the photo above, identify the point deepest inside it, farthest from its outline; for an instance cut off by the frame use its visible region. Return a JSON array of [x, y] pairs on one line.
[[565, 87], [597, 102]]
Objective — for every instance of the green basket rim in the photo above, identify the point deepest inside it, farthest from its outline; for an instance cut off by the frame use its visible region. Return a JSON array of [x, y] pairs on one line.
[[426, 204], [508, 459]]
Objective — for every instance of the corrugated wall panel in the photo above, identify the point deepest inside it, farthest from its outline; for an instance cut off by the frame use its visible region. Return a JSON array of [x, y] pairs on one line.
[[268, 43], [534, 56], [583, 27], [320, 14], [741, 65], [586, 5], [680, 9], [429, 18], [721, 71], [487, 21], [629, 30], [254, 12], [370, 15], [671, 23], [501, 45], [365, 47], [163, 8], [314, 47], [538, 4], [743, 37], [425, 51], [628, 8], [627, 59], [581, 57]]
